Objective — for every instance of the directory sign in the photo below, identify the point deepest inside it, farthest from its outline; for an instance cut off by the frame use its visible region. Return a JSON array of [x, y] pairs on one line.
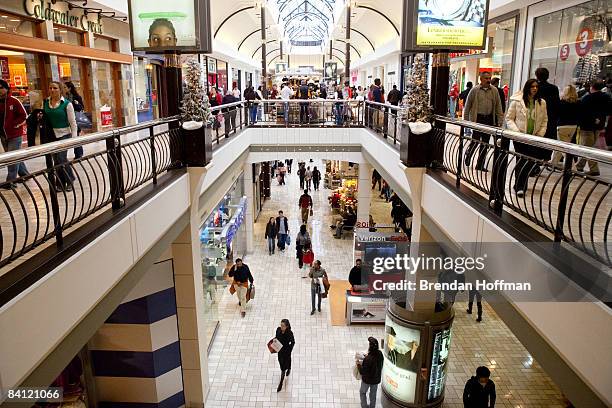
[[177, 25], [445, 24]]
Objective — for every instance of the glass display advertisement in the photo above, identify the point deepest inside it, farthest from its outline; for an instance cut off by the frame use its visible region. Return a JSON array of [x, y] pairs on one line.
[[158, 25], [402, 361], [444, 24], [437, 378]]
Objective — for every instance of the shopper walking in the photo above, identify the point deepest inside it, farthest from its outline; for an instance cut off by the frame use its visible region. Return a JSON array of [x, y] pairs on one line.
[[282, 230], [285, 336], [471, 295], [289, 163], [242, 276], [526, 114], [376, 179], [479, 391], [316, 178], [302, 175], [308, 178], [305, 205], [371, 372], [464, 94], [251, 97], [12, 118], [483, 106], [73, 96], [286, 94], [453, 94], [570, 113], [550, 94], [229, 114], [316, 274], [395, 96], [304, 94], [596, 107], [271, 233], [502, 94], [60, 114], [302, 240]]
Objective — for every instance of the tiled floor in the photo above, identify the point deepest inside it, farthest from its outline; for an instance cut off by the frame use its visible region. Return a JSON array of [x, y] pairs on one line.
[[244, 374]]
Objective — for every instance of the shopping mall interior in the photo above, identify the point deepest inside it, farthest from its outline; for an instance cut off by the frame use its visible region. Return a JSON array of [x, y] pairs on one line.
[[306, 203]]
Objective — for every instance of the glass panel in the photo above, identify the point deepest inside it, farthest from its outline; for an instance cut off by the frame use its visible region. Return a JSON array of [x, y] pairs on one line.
[[21, 71], [66, 36], [16, 25], [546, 43], [146, 90], [503, 50], [102, 43], [107, 110]]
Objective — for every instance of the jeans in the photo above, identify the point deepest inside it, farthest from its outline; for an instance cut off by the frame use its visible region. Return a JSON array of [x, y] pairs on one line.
[[314, 293], [286, 112], [282, 238], [15, 169], [452, 105], [363, 391], [339, 114], [271, 245], [316, 182], [253, 113], [482, 147], [63, 169], [304, 112], [475, 294]]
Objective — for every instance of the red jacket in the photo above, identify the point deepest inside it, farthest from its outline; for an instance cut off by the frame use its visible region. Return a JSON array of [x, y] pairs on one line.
[[14, 117]]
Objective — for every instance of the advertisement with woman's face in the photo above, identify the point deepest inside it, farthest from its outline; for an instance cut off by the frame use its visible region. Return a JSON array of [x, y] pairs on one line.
[[163, 24], [402, 361]]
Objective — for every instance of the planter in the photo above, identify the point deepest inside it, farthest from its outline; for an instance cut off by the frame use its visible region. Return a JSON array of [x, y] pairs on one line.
[[197, 146], [416, 149]]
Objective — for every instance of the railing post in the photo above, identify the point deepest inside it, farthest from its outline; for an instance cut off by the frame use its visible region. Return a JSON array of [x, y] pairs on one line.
[[57, 221], [565, 183], [153, 154], [115, 170], [460, 157], [498, 177]]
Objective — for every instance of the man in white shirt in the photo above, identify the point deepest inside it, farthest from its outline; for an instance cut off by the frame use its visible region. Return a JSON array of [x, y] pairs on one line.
[[286, 94]]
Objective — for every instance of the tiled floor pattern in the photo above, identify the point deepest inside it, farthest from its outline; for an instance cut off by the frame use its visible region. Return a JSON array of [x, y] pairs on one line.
[[244, 374]]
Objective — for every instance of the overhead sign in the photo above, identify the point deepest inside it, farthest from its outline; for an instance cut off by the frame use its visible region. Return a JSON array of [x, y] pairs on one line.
[[61, 14], [444, 24], [177, 25]]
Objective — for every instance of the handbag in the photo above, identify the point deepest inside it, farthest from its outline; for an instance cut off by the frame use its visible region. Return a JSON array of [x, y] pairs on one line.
[[274, 345], [311, 212], [250, 292], [288, 240], [356, 372], [83, 120], [232, 289], [326, 286]]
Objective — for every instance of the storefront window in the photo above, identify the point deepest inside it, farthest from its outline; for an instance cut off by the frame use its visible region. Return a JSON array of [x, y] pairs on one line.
[[222, 76], [16, 25], [211, 69], [107, 109], [102, 43], [573, 44], [66, 36], [21, 70], [145, 76]]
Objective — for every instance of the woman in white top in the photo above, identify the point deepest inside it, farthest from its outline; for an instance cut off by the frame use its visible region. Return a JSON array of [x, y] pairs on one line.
[[59, 114], [526, 114]]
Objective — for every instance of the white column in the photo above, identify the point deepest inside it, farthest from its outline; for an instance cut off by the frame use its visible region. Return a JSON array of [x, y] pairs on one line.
[[471, 71], [364, 193], [249, 217]]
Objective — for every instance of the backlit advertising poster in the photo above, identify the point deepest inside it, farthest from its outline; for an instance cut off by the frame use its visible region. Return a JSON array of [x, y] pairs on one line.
[[330, 71], [159, 25], [437, 378], [454, 23], [402, 361]]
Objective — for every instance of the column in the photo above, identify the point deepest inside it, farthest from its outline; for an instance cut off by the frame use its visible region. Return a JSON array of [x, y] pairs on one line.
[[471, 70], [364, 192], [172, 78], [249, 217], [347, 63], [190, 300], [264, 61], [127, 350]]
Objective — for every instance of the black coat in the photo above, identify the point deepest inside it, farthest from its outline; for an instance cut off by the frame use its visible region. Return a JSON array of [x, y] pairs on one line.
[[288, 342], [34, 123], [371, 368], [355, 276], [596, 107], [278, 221], [477, 396], [241, 275], [502, 97], [271, 230], [316, 175], [569, 113], [550, 93]]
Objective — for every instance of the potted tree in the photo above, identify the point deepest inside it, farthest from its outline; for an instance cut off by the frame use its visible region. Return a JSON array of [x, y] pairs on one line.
[[196, 118], [416, 146]]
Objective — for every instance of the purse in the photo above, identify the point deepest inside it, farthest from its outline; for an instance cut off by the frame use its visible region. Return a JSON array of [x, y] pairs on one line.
[[232, 289], [83, 120], [274, 345], [356, 372], [326, 286], [251, 292], [311, 212], [288, 240]]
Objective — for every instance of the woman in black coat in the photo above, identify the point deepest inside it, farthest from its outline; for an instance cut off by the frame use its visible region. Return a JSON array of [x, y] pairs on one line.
[[271, 233], [285, 336]]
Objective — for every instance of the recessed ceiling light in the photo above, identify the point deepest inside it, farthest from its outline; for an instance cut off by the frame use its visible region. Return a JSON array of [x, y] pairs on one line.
[[15, 20], [4, 16]]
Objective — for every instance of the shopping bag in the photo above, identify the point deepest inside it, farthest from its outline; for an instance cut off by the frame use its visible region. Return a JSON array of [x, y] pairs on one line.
[[325, 289], [274, 345], [232, 289], [356, 372], [83, 120], [251, 292], [288, 240]]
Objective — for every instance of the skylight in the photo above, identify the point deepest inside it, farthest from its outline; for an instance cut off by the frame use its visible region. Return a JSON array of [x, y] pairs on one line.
[[306, 22]]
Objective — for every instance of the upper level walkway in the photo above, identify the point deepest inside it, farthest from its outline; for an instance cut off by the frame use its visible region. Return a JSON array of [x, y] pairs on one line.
[[129, 192]]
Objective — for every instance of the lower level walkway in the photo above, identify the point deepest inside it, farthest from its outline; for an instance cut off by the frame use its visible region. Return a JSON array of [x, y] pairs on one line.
[[244, 374]]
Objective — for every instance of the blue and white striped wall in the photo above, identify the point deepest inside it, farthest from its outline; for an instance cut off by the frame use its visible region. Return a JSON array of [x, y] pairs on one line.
[[136, 355]]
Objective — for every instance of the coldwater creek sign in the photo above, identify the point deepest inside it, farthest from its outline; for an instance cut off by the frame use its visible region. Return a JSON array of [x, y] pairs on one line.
[[45, 11]]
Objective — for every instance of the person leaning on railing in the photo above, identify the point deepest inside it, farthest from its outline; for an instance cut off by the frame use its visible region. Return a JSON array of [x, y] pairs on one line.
[[12, 118], [526, 114]]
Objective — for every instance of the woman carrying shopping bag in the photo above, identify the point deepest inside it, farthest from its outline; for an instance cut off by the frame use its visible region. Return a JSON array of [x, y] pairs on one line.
[[285, 336], [271, 233], [302, 239], [316, 276]]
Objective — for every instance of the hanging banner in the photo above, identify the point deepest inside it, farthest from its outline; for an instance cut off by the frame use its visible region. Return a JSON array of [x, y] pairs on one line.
[[444, 24], [177, 25]]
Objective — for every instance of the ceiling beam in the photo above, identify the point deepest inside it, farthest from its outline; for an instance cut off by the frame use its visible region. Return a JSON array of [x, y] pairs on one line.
[[380, 14], [230, 16]]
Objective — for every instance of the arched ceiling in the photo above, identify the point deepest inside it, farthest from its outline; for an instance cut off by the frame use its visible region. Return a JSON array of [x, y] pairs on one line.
[[304, 22]]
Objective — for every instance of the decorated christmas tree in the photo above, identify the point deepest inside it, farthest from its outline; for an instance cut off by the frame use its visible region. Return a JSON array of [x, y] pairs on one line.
[[195, 106], [416, 102]]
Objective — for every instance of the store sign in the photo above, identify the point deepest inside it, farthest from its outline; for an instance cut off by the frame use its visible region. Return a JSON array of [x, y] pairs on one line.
[[444, 24], [564, 52], [402, 356], [440, 352], [584, 42], [176, 25], [76, 18]]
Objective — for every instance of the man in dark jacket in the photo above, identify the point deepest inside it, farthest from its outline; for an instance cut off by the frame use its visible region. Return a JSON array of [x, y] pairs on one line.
[[242, 276], [596, 107], [302, 175], [395, 96], [502, 94], [304, 93], [282, 230], [12, 119], [464, 94], [229, 113], [355, 275], [550, 93], [479, 391], [305, 204], [371, 372]]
